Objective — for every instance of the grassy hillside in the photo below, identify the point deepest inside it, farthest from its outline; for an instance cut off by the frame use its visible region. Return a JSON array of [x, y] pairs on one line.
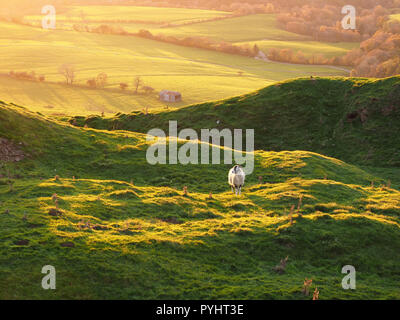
[[124, 229], [353, 119], [260, 29]]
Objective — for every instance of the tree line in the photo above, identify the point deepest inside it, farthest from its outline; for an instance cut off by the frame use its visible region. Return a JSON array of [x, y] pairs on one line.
[[69, 73]]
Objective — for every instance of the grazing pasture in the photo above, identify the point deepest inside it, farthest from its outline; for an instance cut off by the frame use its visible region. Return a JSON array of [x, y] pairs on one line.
[[309, 48], [77, 190], [237, 29], [115, 227], [200, 75], [151, 15]]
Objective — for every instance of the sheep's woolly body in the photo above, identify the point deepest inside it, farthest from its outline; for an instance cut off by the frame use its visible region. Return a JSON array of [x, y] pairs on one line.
[[236, 179]]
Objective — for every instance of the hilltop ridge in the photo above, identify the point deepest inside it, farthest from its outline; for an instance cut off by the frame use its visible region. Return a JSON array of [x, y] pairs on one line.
[[354, 119], [115, 227]]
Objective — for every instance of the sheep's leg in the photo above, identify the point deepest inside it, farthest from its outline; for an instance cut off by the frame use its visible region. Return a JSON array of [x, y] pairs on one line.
[[232, 189], [236, 190], [240, 191]]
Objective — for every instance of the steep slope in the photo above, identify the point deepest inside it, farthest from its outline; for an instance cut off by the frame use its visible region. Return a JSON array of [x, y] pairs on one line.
[[121, 228], [355, 120]]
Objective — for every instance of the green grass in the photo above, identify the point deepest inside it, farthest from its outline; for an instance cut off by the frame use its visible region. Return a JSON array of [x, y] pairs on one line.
[[260, 29], [149, 241], [200, 75], [301, 114]]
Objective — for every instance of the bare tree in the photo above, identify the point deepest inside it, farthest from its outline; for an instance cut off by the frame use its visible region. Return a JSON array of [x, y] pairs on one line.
[[137, 83], [68, 71]]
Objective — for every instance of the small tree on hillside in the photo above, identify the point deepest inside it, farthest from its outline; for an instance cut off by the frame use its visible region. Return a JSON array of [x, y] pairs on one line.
[[68, 71], [138, 82]]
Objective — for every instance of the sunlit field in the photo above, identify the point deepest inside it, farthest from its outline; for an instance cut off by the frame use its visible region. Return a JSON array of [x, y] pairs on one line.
[[309, 48], [125, 229], [246, 28], [310, 101], [134, 13], [200, 75]]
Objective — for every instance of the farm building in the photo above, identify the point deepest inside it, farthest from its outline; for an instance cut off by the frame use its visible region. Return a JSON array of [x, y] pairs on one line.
[[170, 96]]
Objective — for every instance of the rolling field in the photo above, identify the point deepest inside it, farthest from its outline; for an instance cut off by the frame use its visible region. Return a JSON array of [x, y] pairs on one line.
[[257, 28], [309, 48], [200, 75], [237, 29], [300, 114], [152, 15], [123, 229]]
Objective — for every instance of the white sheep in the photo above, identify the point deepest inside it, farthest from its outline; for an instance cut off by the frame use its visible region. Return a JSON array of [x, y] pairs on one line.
[[236, 178]]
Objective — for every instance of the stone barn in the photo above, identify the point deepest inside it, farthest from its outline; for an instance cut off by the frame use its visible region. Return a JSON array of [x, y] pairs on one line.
[[170, 96]]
